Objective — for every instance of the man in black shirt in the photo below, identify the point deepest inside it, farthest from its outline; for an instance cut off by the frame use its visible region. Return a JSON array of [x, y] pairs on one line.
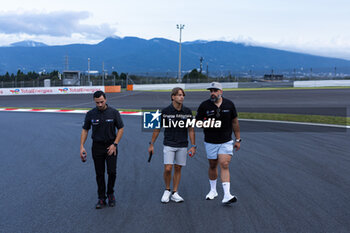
[[103, 120], [175, 142], [218, 141]]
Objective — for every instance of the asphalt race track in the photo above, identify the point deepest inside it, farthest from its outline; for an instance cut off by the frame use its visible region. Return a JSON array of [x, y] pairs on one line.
[[287, 178], [300, 101], [285, 182]]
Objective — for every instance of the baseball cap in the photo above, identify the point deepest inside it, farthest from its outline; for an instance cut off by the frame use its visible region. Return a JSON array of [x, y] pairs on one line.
[[215, 85]]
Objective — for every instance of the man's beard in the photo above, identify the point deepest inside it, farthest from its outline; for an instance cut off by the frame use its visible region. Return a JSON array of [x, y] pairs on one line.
[[214, 98]]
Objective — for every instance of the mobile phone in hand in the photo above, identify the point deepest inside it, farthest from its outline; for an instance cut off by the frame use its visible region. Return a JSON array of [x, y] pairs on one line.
[[84, 157]]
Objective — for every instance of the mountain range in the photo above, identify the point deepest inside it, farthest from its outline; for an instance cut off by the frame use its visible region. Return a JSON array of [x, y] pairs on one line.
[[136, 55], [28, 43]]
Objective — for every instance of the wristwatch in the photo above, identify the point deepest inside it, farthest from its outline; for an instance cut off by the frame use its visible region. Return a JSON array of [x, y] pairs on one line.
[[115, 144], [195, 146], [238, 140]]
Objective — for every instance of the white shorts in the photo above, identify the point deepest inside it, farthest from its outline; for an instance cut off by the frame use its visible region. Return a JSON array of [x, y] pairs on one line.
[[214, 149], [175, 155]]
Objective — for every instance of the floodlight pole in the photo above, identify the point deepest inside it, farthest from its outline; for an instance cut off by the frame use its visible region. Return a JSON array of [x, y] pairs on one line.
[[89, 71], [103, 73], [180, 27]]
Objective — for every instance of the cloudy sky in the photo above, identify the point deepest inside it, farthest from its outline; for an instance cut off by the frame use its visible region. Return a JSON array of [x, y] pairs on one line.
[[312, 26]]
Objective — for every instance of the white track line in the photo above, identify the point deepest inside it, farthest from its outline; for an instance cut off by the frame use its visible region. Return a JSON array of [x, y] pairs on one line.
[[61, 111]]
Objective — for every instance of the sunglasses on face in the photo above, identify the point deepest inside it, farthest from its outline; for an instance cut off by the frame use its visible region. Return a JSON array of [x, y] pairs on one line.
[[218, 113]]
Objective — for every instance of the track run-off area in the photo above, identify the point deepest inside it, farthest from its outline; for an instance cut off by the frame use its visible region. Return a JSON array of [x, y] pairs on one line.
[[287, 177]]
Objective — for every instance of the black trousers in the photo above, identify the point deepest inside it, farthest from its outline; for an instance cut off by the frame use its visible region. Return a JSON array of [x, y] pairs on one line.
[[101, 158]]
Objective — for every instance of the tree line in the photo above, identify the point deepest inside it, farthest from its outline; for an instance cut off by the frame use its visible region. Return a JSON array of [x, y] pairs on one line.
[[30, 76], [55, 75], [194, 76]]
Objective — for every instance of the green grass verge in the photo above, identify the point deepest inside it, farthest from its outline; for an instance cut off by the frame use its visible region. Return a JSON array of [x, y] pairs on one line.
[[334, 120]]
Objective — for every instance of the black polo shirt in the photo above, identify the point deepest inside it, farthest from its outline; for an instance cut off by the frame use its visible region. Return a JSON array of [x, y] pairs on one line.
[[175, 136], [226, 113], [103, 124]]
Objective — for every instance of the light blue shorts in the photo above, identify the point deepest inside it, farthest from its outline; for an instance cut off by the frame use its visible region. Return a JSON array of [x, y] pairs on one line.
[[214, 149]]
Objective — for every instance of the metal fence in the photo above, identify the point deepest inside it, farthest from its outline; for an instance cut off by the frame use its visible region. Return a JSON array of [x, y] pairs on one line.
[[110, 80]]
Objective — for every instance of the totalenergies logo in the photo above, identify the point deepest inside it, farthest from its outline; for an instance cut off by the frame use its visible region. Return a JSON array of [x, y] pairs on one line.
[[15, 91], [64, 90]]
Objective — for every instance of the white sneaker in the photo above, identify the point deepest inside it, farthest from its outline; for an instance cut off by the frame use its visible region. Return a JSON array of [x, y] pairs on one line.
[[211, 195], [176, 197], [165, 197], [229, 199]]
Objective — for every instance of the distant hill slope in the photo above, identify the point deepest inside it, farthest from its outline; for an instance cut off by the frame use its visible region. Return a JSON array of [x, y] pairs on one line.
[[132, 54], [28, 43]]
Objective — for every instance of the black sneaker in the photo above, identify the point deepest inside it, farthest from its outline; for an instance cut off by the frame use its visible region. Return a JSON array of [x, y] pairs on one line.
[[100, 204], [111, 200]]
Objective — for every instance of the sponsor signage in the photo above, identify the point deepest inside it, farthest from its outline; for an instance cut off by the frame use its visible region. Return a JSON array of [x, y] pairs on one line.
[[51, 90]]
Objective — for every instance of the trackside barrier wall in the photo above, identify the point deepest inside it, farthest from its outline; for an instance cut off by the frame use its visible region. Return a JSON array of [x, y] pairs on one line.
[[50, 90], [148, 87], [322, 83], [140, 87], [130, 87], [265, 84], [112, 89]]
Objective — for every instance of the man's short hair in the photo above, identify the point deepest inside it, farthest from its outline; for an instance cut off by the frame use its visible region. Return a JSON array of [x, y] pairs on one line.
[[175, 91], [98, 94]]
